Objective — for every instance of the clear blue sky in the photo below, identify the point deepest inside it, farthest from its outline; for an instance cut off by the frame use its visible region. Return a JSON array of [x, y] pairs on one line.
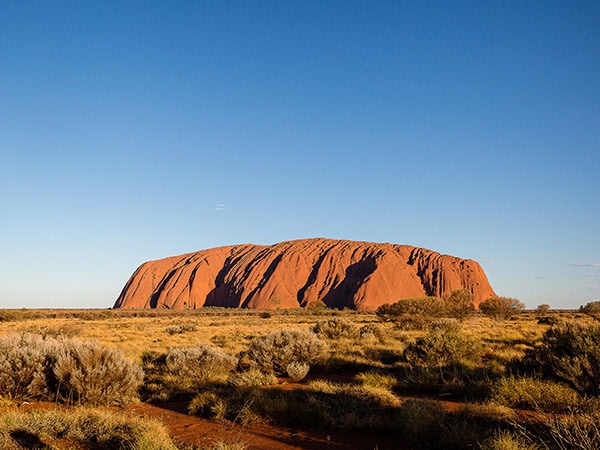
[[136, 130]]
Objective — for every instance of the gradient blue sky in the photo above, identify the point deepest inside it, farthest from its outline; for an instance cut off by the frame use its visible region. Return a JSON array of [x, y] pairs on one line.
[[135, 130]]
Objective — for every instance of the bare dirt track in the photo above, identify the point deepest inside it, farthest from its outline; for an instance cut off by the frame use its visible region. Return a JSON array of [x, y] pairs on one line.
[[186, 429]]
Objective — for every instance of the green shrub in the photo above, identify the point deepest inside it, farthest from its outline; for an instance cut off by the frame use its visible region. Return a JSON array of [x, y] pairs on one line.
[[501, 308], [591, 308], [425, 306], [569, 352], [275, 351], [459, 304], [316, 307], [440, 348], [335, 328], [534, 394], [89, 373], [191, 367], [542, 309]]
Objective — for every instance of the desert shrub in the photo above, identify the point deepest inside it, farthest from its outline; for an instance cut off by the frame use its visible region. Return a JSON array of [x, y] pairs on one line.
[[173, 329], [501, 308], [459, 304], [265, 315], [86, 372], [32, 366], [297, 371], [82, 426], [372, 331], [24, 359], [194, 366], [317, 306], [275, 351], [335, 328], [441, 347], [181, 328], [413, 313], [548, 320], [591, 308], [542, 309], [534, 394], [569, 352]]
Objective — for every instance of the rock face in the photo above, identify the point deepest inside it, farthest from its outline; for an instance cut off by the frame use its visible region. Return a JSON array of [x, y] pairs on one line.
[[358, 275]]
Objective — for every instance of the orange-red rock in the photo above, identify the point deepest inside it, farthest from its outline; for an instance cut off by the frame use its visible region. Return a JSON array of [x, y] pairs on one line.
[[359, 275]]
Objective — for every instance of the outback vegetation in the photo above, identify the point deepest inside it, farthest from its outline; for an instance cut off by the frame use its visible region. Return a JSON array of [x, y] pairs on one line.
[[418, 373]]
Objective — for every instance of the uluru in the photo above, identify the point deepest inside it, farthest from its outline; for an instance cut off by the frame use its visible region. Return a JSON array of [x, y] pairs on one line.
[[292, 274]]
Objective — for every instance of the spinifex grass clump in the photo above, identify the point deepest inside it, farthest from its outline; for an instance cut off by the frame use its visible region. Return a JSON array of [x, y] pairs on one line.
[[81, 428], [535, 394], [65, 369]]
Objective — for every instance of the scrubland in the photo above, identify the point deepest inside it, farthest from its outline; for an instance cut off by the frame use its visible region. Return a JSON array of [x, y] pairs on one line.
[[424, 379]]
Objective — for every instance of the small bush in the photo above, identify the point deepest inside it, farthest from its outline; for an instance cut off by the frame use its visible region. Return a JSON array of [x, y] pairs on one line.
[[591, 308], [335, 328], [182, 328], [569, 352], [459, 304], [445, 326], [413, 313], [23, 361], [275, 351], [440, 348], [542, 310], [192, 367], [32, 366], [501, 308], [89, 373], [297, 371], [534, 394], [173, 329], [372, 331], [316, 307]]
